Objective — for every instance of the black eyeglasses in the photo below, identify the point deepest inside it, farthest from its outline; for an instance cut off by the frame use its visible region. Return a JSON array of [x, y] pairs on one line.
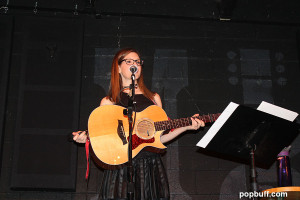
[[131, 61]]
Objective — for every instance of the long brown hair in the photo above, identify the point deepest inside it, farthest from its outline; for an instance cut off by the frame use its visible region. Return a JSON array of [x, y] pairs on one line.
[[116, 80]]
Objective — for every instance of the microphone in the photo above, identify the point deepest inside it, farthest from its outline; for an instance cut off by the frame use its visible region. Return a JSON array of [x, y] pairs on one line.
[[133, 69]]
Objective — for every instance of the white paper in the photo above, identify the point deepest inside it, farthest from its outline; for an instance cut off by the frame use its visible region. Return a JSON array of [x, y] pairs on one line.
[[217, 125], [277, 111]]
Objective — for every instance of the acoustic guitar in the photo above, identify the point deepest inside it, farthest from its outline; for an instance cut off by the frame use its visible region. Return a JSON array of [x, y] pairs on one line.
[[109, 131]]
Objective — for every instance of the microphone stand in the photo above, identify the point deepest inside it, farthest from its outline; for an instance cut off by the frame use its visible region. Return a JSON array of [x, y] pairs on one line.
[[130, 107]]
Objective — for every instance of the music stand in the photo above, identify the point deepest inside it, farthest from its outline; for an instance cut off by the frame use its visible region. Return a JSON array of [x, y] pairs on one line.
[[241, 130]]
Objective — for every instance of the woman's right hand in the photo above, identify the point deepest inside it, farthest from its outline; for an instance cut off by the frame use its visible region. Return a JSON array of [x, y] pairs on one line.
[[79, 136]]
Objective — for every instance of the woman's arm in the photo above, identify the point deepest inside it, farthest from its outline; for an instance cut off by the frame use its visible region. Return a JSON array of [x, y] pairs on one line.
[[196, 124]]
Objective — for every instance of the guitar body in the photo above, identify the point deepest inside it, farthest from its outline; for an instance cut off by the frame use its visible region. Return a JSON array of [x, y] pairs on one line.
[[109, 131]]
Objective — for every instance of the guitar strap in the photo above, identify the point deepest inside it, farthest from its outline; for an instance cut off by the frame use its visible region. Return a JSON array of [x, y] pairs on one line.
[[87, 153]]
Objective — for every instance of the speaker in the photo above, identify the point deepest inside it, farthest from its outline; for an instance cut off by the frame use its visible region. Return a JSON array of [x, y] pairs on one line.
[[48, 103], [6, 24]]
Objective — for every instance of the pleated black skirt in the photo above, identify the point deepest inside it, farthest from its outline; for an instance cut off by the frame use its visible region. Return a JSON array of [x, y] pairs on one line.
[[150, 180]]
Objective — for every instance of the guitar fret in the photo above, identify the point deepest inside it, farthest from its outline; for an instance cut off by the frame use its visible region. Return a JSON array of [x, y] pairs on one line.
[[201, 118], [207, 118], [159, 126], [187, 121], [182, 122], [177, 123], [204, 118], [165, 125], [169, 126], [210, 118]]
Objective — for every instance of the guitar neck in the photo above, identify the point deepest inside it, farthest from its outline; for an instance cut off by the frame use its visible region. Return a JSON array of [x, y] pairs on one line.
[[182, 122]]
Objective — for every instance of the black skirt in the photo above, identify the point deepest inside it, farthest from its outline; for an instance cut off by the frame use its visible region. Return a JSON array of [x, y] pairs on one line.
[[149, 177]]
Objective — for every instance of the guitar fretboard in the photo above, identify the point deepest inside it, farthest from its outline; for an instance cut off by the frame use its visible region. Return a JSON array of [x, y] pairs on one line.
[[182, 122]]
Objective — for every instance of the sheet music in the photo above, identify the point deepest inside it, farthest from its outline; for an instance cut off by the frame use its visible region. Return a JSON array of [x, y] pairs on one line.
[[277, 111], [264, 107], [217, 125]]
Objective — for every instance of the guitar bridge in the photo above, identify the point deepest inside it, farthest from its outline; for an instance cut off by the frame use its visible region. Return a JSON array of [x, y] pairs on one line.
[[121, 132]]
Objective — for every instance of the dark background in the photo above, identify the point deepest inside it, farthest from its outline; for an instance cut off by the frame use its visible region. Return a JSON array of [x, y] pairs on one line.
[[55, 59]]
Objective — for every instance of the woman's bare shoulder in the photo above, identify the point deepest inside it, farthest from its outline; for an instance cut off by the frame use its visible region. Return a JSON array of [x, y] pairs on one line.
[[106, 101], [157, 100]]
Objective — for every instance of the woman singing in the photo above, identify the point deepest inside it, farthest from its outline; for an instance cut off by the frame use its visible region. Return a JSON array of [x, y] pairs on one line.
[[150, 178]]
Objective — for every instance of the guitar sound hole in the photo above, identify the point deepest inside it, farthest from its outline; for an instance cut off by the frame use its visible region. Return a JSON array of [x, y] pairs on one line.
[[145, 129]]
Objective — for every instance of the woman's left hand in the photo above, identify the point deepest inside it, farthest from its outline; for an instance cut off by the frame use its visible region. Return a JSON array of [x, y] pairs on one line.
[[196, 123]]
